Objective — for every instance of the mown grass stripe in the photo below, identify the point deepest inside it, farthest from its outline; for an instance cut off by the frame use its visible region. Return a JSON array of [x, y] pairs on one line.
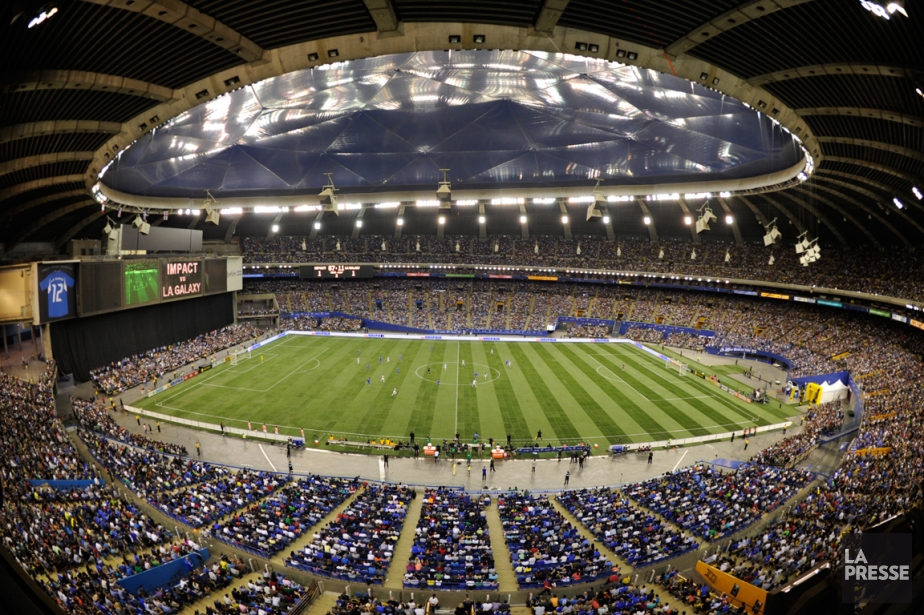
[[509, 405], [716, 395], [556, 415], [421, 421], [643, 417], [562, 368], [468, 422]]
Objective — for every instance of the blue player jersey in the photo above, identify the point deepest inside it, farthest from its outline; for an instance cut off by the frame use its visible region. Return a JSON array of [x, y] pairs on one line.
[[56, 285]]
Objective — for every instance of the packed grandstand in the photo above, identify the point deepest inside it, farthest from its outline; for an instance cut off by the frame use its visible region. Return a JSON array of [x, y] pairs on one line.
[[264, 513]]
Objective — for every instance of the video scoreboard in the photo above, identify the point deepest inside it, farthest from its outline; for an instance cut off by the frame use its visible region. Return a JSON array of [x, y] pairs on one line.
[[84, 288], [335, 272]]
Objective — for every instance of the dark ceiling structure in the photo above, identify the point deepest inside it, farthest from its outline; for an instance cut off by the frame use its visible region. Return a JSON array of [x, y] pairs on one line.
[[78, 88]]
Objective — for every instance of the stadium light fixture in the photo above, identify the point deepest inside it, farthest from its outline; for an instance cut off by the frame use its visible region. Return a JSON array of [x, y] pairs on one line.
[[359, 224], [275, 228], [772, 233], [917, 193], [444, 191], [400, 221], [522, 219], [442, 220], [606, 219], [328, 196], [898, 203], [646, 220], [729, 220], [705, 217], [687, 220], [564, 219], [44, 13], [480, 219], [145, 228]]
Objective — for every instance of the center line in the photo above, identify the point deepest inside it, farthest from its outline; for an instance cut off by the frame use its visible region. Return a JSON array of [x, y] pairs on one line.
[[267, 458], [458, 369]]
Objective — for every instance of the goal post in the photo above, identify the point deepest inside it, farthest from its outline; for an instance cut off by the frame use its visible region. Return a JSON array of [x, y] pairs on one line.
[[233, 358], [674, 364]]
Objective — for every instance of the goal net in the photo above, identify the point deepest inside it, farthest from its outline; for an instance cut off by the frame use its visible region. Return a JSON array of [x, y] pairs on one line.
[[675, 365], [233, 358]]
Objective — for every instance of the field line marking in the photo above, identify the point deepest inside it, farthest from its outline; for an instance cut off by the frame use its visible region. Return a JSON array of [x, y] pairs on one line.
[[458, 369], [637, 392], [296, 369], [268, 460], [681, 459]]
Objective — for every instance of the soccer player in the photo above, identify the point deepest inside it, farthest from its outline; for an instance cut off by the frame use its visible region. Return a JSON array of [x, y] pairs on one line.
[[476, 375], [388, 359], [397, 370], [400, 356], [485, 375], [437, 382], [475, 382], [394, 391], [358, 352], [367, 367], [463, 362], [428, 369], [383, 378], [367, 381], [444, 367], [492, 352], [357, 360], [380, 360], [623, 367]]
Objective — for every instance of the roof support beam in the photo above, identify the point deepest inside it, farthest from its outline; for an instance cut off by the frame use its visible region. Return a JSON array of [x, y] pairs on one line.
[[399, 227], [876, 167], [743, 13], [38, 183], [314, 227], [566, 225], [524, 226], [385, 18], [689, 214], [96, 215], [652, 231], [818, 216], [180, 15], [550, 14], [231, 228], [18, 164], [28, 230], [823, 175], [356, 227], [735, 230], [847, 216], [839, 68], [41, 201], [864, 112], [886, 147], [482, 226], [761, 218], [14, 83], [816, 185], [56, 127]]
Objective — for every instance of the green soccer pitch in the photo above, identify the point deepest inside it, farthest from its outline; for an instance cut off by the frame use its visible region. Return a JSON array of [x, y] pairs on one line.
[[572, 392]]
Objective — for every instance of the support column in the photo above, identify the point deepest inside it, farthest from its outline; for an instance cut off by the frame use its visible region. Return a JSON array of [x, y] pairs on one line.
[[398, 228], [567, 225], [46, 341], [652, 231], [687, 212], [524, 226]]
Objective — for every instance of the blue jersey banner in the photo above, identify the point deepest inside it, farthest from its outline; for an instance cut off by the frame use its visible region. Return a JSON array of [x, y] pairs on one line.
[[57, 283]]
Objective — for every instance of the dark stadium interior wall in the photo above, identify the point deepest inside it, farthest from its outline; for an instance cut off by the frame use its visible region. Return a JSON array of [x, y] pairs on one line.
[[82, 344]]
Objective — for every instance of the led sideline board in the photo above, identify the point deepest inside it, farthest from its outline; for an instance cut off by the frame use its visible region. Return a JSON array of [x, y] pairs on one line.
[[180, 279], [335, 272], [140, 282]]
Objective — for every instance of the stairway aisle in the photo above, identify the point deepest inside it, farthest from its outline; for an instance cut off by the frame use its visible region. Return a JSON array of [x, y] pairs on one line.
[[506, 577], [324, 603], [199, 605], [394, 578], [304, 539], [618, 562]]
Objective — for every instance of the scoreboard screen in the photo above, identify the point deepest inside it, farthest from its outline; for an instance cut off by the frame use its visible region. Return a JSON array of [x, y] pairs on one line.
[[140, 282], [180, 279], [335, 272]]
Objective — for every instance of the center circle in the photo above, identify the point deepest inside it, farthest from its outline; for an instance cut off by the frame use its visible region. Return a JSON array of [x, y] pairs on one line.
[[456, 377]]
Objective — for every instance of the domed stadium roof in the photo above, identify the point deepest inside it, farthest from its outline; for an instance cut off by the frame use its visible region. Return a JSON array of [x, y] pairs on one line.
[[101, 74], [491, 118]]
